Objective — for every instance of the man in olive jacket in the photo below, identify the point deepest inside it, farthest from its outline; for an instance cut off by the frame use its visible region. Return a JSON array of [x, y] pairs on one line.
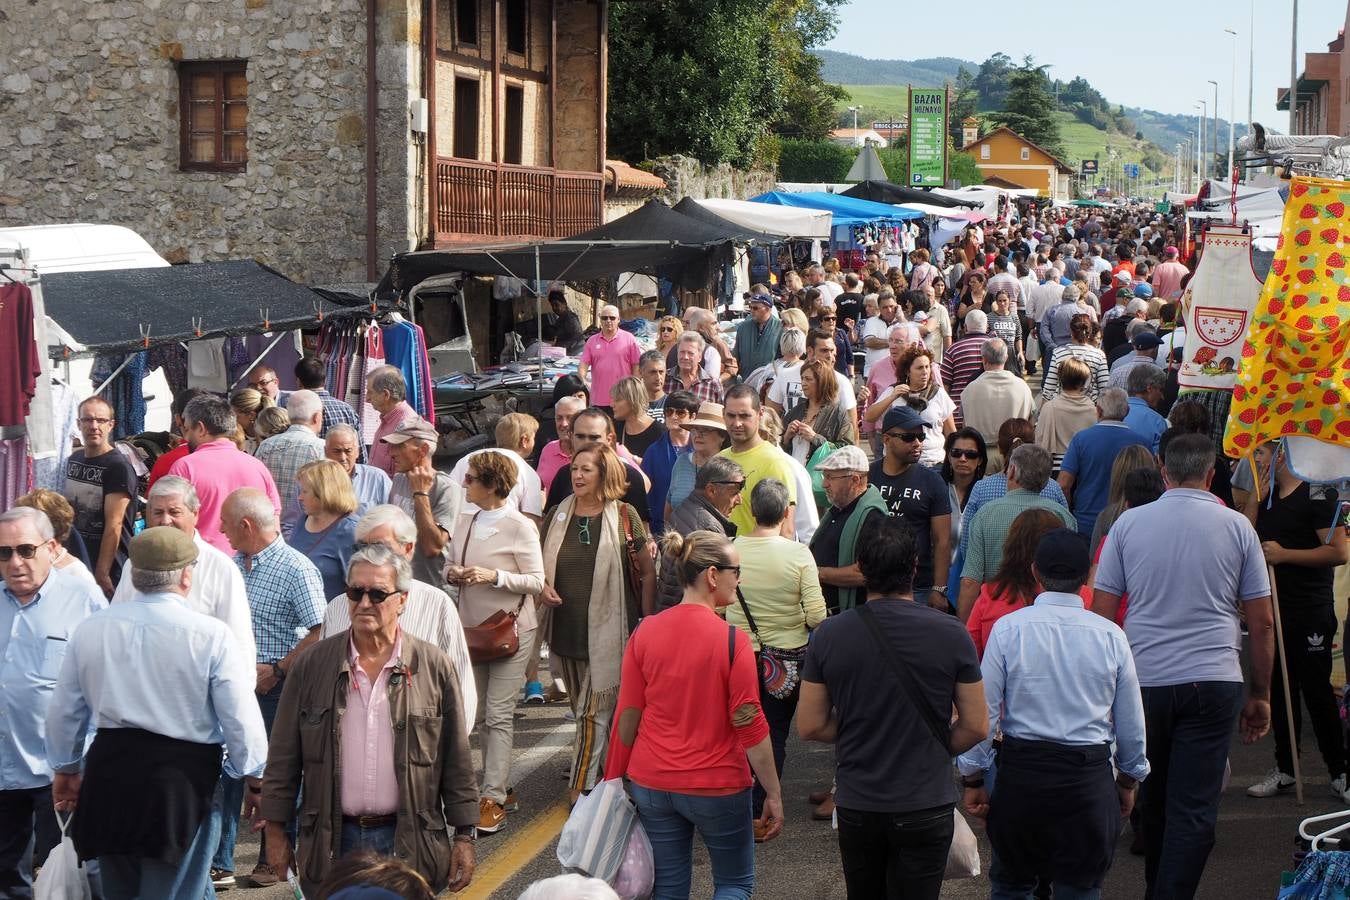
[[370, 722]]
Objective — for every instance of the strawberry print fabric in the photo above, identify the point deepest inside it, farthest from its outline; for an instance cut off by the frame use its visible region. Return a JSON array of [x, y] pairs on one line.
[[1294, 375]]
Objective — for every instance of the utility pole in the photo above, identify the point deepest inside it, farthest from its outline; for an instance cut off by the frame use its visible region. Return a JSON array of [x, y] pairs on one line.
[[1214, 145], [1293, 73], [1232, 107], [1200, 129]]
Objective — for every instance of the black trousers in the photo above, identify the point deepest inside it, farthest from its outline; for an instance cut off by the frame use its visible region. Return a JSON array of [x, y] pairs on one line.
[[779, 714], [896, 856], [1054, 812], [1308, 635], [25, 815]]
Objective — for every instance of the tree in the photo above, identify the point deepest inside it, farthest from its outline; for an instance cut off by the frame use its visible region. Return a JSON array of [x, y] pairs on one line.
[[992, 81], [1030, 108], [962, 167], [965, 102]]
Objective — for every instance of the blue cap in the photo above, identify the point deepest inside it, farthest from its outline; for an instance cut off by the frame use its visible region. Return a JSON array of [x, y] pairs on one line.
[[904, 418], [1143, 291]]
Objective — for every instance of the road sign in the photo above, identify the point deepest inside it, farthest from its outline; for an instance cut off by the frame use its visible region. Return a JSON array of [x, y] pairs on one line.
[[1132, 170], [1089, 167], [927, 137]]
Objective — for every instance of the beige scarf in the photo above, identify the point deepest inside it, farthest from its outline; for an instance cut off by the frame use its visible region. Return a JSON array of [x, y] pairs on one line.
[[608, 610]]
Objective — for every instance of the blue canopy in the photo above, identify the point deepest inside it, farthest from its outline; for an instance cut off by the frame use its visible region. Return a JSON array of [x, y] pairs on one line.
[[844, 210]]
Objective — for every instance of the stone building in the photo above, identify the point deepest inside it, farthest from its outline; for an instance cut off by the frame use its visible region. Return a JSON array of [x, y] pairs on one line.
[[305, 133]]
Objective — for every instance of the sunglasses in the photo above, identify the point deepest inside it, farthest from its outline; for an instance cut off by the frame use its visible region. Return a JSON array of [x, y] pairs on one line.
[[376, 595], [906, 436], [964, 454], [739, 485], [584, 530], [609, 318], [827, 318], [470, 478], [25, 551]]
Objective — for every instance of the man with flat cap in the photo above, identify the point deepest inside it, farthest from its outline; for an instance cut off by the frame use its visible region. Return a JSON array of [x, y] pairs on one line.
[[431, 497], [165, 688], [1060, 683]]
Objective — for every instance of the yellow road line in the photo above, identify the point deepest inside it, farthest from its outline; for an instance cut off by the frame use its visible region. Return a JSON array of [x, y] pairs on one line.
[[516, 853]]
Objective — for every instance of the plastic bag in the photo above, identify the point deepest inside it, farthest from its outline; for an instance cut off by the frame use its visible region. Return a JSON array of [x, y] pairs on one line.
[[637, 872], [595, 838], [963, 859], [62, 877]]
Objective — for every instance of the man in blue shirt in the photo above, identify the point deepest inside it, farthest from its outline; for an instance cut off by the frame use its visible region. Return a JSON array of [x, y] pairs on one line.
[[1060, 684], [1145, 385], [1085, 473], [40, 608]]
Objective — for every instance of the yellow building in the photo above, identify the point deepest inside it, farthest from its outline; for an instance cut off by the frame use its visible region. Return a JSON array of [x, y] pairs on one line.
[[1006, 155]]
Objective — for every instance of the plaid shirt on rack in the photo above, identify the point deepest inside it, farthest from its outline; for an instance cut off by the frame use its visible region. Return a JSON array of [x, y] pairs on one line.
[[285, 592]]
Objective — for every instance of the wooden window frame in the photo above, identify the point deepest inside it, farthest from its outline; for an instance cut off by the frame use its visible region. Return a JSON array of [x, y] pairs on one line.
[[524, 52], [219, 68], [507, 137], [459, 39], [457, 112]]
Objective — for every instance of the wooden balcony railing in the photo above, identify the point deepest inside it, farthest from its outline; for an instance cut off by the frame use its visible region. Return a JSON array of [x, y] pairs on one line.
[[477, 199]]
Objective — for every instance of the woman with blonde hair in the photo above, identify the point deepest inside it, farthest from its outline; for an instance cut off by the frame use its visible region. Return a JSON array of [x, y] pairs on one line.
[[269, 422], [327, 532], [690, 728], [497, 564], [795, 318], [247, 403], [637, 429], [1068, 412], [599, 577], [62, 516], [1134, 456], [668, 331]]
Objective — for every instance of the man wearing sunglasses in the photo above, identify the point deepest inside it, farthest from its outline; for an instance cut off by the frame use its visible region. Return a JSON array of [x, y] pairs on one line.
[[408, 792], [594, 426], [610, 355], [717, 491], [100, 484], [918, 496], [33, 640]]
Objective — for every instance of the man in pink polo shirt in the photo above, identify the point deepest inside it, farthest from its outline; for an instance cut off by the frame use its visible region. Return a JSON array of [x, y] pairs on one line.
[[610, 355], [216, 467], [388, 393]]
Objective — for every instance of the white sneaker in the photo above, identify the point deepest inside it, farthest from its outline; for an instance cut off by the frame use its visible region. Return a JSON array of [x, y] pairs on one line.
[[1275, 782], [1338, 788]]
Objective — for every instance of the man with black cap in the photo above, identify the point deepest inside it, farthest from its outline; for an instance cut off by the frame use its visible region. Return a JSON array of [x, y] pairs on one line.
[[165, 688], [757, 335], [918, 496], [1144, 345], [1060, 684]]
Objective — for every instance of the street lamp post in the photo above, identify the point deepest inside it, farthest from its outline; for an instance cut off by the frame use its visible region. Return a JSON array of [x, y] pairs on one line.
[[1293, 73], [1200, 129], [1232, 104], [1214, 145], [1251, 64]]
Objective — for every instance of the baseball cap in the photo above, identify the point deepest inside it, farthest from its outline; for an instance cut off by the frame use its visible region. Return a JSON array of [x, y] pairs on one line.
[[413, 429], [1143, 291], [902, 417], [1062, 554], [764, 299], [1146, 340], [162, 549], [845, 459], [1124, 277]]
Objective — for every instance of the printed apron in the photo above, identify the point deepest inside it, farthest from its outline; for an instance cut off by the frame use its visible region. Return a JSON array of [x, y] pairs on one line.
[[1218, 305]]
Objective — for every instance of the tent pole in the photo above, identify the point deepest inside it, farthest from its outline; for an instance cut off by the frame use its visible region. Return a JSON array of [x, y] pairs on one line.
[[115, 372], [538, 320], [253, 365]]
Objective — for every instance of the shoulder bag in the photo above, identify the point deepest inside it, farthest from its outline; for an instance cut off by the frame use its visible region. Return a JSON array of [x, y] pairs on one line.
[[780, 670], [963, 857], [496, 637], [632, 573]]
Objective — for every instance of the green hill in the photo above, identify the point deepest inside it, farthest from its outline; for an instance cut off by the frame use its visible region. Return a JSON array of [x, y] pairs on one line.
[[845, 68]]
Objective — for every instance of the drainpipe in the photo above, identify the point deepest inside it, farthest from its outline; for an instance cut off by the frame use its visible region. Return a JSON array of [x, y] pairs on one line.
[[372, 106]]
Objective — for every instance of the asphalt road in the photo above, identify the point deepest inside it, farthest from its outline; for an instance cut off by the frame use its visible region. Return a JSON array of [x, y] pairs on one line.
[[1255, 837]]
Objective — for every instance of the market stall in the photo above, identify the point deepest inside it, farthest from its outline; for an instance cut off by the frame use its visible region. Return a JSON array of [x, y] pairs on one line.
[[857, 225]]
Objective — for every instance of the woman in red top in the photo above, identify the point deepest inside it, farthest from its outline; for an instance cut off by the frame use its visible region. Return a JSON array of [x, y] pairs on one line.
[[1014, 586], [687, 764]]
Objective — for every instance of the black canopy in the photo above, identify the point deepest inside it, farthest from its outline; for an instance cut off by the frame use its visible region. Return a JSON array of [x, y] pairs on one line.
[[653, 238], [889, 192], [105, 310]]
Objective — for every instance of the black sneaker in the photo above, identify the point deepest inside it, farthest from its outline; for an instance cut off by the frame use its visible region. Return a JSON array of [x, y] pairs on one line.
[[221, 879]]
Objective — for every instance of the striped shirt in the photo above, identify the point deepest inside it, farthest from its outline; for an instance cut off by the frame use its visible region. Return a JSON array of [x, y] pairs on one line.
[[285, 593], [429, 616], [961, 365], [1099, 380]]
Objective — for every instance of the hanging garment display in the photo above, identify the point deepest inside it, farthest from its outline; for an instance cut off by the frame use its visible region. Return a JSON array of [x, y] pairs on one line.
[[1218, 305], [1294, 374], [50, 471], [405, 347], [125, 393], [20, 362], [16, 471], [206, 367]]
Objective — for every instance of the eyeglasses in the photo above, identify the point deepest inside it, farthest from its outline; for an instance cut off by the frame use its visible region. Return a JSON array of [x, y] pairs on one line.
[[470, 478], [25, 551], [264, 382], [957, 453], [739, 485], [584, 530], [609, 318], [92, 420], [376, 595], [827, 318], [736, 569], [907, 436]]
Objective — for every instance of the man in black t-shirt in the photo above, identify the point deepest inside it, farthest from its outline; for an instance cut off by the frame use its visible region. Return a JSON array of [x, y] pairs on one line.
[[917, 496], [594, 426], [101, 486], [849, 304], [893, 757], [1304, 542]]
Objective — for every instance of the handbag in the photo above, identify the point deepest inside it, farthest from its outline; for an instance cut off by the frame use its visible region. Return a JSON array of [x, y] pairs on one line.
[[496, 637], [780, 669], [631, 571], [963, 857]]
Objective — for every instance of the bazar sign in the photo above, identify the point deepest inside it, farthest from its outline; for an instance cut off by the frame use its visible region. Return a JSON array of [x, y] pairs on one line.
[[927, 137]]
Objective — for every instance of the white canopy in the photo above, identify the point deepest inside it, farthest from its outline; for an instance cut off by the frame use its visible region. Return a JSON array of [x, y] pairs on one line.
[[784, 221]]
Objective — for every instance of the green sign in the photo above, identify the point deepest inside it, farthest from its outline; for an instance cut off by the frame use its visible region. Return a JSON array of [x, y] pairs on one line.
[[927, 137]]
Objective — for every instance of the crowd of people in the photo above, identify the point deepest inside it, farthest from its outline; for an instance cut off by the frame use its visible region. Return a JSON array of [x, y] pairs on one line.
[[928, 509]]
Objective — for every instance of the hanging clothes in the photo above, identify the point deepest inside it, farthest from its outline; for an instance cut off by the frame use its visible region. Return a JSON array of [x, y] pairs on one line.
[[16, 471], [405, 347], [20, 361], [374, 358], [206, 368], [173, 360], [125, 394], [50, 471]]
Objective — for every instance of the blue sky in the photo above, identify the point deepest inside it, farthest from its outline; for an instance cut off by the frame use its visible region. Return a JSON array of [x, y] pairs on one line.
[[1155, 63]]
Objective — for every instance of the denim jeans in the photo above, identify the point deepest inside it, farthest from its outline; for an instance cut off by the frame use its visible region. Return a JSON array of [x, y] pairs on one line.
[[1003, 890], [378, 840], [723, 823], [132, 877], [1189, 727], [898, 856], [779, 714], [225, 807]]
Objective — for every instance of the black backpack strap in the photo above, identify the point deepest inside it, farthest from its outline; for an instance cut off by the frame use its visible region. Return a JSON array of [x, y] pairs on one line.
[[902, 673], [731, 645]]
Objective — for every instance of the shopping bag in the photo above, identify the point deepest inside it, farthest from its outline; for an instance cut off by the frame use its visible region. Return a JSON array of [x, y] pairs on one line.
[[595, 838], [963, 859], [62, 877], [637, 872]]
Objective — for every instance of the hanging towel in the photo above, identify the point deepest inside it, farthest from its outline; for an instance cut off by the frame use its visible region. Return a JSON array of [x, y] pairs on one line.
[[206, 365]]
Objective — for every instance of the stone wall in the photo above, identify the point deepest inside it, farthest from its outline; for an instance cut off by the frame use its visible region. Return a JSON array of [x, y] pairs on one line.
[[89, 93], [687, 177]]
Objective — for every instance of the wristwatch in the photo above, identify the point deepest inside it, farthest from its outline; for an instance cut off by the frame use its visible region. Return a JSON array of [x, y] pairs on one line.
[[466, 833], [278, 672], [940, 589]]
